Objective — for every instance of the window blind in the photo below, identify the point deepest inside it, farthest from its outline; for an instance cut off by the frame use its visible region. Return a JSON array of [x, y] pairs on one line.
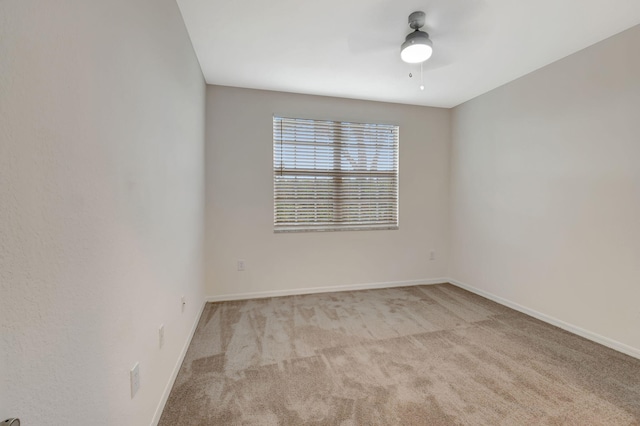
[[331, 175]]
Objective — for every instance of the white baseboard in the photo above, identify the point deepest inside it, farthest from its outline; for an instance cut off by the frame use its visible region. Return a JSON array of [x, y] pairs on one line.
[[176, 370], [311, 290], [594, 337]]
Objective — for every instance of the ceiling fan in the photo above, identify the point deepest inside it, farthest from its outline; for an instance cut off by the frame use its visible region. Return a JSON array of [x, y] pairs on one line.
[[456, 29], [417, 46]]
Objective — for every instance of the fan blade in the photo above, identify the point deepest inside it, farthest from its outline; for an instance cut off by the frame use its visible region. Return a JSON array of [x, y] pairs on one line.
[[452, 47], [362, 44], [439, 59], [452, 15]]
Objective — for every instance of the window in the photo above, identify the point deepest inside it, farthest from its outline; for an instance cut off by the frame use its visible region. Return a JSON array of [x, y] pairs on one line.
[[330, 175]]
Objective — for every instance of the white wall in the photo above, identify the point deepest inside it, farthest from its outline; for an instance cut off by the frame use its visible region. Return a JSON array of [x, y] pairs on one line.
[[239, 200], [101, 206], [546, 190]]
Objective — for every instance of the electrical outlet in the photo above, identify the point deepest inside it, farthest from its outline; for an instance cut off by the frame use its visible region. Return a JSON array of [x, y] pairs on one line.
[[433, 255], [161, 336], [241, 265], [135, 379], [184, 302]]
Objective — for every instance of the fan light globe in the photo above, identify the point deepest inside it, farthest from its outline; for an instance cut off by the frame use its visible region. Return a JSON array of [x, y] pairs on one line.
[[416, 53], [417, 48]]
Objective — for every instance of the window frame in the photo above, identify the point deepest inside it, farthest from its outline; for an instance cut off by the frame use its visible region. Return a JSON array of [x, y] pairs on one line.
[[338, 173]]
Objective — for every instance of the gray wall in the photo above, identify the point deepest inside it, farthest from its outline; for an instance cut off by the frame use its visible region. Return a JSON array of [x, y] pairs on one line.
[[101, 206], [546, 191], [239, 211]]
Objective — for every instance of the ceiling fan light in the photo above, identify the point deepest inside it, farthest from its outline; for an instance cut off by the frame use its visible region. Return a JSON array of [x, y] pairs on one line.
[[417, 48], [416, 53]]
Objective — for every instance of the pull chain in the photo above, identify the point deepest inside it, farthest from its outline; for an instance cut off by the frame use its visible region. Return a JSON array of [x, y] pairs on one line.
[[421, 77]]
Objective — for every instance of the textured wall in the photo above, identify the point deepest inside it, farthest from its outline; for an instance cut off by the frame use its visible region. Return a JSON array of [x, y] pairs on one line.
[[101, 201], [239, 211], [546, 190]]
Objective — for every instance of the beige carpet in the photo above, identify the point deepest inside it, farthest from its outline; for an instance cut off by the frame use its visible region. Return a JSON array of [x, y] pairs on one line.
[[426, 355]]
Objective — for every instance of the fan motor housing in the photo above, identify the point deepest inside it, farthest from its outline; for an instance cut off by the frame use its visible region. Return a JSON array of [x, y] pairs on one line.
[[411, 38], [416, 20]]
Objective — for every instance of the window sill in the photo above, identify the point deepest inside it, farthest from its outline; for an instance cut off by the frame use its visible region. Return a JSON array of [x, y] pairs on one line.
[[334, 229]]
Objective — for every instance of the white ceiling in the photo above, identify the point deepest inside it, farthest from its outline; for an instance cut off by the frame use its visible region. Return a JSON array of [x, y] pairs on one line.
[[351, 48]]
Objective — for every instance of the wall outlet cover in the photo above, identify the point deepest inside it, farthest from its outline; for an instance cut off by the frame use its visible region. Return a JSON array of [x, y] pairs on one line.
[[161, 336], [134, 376]]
